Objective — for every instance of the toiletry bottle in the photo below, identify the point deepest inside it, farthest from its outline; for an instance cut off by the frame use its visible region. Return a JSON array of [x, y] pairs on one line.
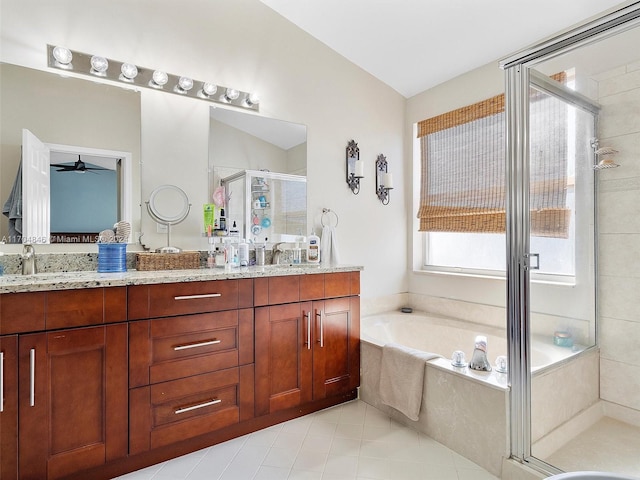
[[260, 254], [223, 221], [220, 260], [211, 257], [232, 255], [313, 250], [233, 232], [243, 253], [297, 254]]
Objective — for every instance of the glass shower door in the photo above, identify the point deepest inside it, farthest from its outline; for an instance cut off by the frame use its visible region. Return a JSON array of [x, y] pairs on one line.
[[562, 259], [572, 255]]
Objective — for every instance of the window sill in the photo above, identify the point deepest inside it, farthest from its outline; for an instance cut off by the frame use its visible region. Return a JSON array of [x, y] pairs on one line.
[[542, 280]]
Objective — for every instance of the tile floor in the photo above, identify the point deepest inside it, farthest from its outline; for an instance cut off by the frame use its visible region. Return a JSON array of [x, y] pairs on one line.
[[352, 441], [609, 445]]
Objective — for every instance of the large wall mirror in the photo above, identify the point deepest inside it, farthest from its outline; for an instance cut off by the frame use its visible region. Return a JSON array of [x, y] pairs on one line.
[[91, 136], [103, 123], [270, 207]]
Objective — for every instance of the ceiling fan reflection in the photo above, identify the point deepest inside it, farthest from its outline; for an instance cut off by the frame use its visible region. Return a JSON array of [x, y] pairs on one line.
[[79, 167]]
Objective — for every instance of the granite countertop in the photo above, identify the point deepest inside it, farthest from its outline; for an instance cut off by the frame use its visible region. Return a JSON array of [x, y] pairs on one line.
[[93, 279]]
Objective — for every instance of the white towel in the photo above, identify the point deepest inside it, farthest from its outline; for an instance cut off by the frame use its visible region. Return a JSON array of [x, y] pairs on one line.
[[329, 246], [402, 378]]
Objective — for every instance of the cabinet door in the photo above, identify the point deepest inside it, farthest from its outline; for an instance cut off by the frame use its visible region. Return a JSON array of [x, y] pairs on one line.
[[72, 400], [9, 407], [283, 357], [336, 349]]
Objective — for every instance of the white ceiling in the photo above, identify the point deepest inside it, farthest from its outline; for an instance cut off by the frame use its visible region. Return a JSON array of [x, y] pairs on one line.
[[413, 45]]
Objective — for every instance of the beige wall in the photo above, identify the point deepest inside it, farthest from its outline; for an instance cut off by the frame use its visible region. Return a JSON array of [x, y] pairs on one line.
[[619, 237], [243, 44]]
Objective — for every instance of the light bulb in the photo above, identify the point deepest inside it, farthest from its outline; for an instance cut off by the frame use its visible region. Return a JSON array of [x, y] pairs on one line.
[[209, 89], [62, 55], [129, 71], [252, 99], [160, 78], [231, 94], [99, 65], [185, 83]]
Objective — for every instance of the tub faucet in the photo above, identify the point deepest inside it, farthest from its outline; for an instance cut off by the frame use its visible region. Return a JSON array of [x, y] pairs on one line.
[[479, 359], [29, 260]]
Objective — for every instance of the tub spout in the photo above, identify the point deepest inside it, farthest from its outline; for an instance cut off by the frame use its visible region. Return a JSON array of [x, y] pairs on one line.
[[479, 360]]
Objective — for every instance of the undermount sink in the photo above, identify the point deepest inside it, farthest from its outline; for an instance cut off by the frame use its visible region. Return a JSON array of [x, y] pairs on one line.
[[293, 265]]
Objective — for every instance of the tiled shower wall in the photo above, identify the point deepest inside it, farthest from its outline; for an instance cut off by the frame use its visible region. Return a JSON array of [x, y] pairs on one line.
[[619, 238]]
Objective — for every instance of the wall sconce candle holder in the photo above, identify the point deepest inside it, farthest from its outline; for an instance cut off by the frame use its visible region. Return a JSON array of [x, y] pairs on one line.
[[384, 180], [95, 66], [355, 167]]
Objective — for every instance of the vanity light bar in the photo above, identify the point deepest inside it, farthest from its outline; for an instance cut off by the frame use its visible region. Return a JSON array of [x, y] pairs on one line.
[[95, 66]]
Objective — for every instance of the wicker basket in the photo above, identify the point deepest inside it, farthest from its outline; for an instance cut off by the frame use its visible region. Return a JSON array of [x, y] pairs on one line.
[[167, 261]]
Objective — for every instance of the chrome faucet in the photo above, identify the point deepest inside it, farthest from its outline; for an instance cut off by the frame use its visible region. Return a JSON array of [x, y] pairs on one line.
[[277, 252], [479, 359], [29, 260]]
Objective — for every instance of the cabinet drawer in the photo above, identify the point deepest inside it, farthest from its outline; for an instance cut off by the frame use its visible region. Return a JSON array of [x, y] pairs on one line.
[[22, 312], [172, 411], [37, 311], [148, 301], [171, 348], [89, 306], [277, 290]]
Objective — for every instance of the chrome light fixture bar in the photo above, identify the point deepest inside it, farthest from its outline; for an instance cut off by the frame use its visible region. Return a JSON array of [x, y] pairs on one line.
[[96, 66]]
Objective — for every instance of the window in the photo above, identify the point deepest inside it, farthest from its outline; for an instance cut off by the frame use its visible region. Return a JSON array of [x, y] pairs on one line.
[[462, 204]]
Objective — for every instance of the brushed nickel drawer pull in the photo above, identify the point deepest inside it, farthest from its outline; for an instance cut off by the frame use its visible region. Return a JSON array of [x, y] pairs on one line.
[[195, 345], [194, 297], [32, 377], [308, 330], [1, 382], [195, 407], [321, 339]]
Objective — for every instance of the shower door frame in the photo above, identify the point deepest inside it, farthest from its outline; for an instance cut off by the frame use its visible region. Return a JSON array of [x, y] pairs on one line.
[[518, 78]]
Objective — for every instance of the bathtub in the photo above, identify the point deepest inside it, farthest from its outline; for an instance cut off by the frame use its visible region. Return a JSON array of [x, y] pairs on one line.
[[444, 336], [466, 410]]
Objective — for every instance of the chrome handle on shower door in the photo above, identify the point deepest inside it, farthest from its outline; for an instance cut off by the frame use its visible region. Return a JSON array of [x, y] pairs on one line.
[[321, 339], [527, 261]]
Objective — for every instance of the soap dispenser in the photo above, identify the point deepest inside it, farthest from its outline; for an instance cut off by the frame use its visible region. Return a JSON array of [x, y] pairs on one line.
[[313, 250]]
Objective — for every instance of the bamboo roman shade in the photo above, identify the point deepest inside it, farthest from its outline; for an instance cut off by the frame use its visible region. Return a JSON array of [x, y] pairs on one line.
[[463, 168]]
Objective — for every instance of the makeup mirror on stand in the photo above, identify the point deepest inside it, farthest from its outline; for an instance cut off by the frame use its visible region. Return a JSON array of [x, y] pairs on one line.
[[168, 205]]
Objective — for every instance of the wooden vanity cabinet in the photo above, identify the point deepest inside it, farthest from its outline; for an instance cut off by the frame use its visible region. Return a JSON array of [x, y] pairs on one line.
[[100, 381], [9, 407], [71, 400], [191, 362], [306, 350]]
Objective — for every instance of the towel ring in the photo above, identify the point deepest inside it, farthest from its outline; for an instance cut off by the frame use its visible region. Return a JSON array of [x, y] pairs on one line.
[[325, 213]]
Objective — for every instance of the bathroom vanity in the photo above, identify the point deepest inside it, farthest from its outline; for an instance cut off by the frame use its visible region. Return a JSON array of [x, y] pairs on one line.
[[108, 373]]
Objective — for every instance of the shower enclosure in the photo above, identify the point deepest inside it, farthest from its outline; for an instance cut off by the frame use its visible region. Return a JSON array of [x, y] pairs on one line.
[[266, 206], [573, 246]]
